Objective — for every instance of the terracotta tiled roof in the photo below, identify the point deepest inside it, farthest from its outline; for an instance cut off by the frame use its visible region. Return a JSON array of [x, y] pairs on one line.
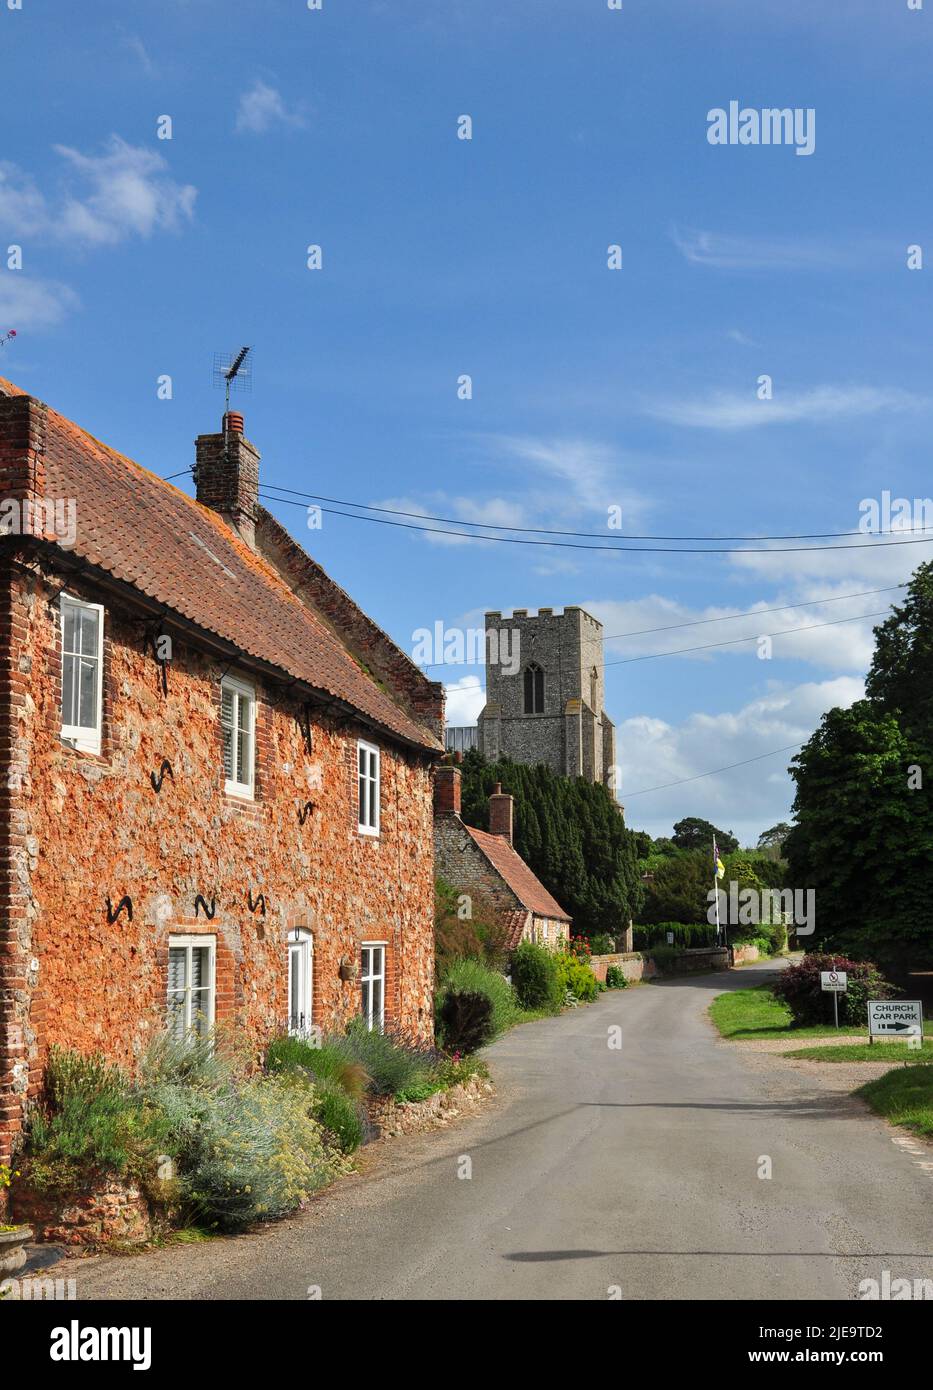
[[510, 866], [151, 535]]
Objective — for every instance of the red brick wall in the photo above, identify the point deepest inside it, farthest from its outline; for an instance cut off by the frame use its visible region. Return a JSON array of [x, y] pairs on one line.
[[79, 829]]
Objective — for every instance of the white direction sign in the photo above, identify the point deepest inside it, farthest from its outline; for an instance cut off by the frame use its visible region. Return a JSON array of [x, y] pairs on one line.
[[836, 981], [895, 1018]]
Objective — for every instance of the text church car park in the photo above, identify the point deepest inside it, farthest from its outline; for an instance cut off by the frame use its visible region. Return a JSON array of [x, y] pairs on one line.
[[895, 1018]]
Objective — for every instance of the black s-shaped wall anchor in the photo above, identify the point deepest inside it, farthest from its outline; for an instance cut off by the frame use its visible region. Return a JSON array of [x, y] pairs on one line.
[[305, 812], [208, 911], [114, 912], [259, 902], [156, 778]]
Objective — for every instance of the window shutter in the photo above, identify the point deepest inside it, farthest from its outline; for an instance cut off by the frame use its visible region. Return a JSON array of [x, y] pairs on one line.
[[226, 719]]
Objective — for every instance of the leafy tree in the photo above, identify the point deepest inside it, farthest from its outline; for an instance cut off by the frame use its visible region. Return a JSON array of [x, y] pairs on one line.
[[570, 832], [775, 837], [900, 679], [864, 832], [695, 833], [863, 838]]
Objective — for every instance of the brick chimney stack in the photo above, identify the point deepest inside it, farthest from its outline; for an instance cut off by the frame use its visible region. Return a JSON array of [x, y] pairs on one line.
[[447, 789], [227, 476], [500, 813]]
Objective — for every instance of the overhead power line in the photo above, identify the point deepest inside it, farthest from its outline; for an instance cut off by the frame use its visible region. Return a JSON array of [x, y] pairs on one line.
[[713, 773], [591, 535], [575, 545], [756, 637]]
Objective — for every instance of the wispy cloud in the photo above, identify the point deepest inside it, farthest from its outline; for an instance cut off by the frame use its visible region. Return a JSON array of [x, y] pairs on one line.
[[262, 108], [33, 303], [723, 251], [123, 192], [731, 411]]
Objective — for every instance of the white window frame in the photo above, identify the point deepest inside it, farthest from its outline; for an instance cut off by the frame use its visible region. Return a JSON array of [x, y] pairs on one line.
[[371, 977], [187, 943], [372, 779], [239, 688], [86, 740], [301, 953]]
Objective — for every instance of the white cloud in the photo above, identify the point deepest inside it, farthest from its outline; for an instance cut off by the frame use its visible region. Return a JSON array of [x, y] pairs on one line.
[[747, 799], [262, 107], [843, 646], [125, 192], [465, 699], [33, 304], [731, 411]]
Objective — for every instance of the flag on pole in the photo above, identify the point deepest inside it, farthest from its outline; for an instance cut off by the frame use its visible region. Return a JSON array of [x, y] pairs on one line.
[[718, 865]]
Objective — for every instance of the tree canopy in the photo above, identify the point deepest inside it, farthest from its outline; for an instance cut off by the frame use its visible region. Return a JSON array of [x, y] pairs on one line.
[[863, 837], [695, 833]]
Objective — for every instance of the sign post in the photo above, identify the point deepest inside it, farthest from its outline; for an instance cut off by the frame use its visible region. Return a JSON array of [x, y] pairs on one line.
[[895, 1018], [834, 982]]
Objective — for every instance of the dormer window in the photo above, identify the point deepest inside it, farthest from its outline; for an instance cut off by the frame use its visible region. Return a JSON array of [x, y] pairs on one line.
[[82, 673], [534, 689]]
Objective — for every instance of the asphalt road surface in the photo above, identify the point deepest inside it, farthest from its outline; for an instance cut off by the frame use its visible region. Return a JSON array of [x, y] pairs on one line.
[[596, 1172]]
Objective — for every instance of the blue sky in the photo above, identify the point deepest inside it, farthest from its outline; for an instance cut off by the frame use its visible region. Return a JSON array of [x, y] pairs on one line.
[[592, 388]]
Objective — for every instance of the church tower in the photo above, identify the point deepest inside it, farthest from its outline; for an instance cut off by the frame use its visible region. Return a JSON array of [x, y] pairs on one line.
[[545, 685]]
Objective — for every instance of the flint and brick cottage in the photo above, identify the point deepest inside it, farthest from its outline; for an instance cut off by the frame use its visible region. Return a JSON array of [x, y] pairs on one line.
[[216, 769], [487, 865]]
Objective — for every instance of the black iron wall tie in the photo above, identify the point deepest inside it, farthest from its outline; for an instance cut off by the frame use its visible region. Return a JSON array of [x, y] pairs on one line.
[[259, 902], [156, 778], [304, 725], [305, 812], [114, 912], [199, 902]]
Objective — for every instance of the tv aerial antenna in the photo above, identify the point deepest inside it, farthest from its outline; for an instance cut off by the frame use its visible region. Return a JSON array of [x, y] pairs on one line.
[[233, 372]]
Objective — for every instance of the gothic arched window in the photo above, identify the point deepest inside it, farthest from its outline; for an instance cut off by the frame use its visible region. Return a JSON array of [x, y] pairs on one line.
[[534, 689], [594, 690]]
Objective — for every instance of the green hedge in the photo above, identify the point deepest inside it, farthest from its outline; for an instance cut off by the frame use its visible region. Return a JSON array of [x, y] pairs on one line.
[[687, 935]]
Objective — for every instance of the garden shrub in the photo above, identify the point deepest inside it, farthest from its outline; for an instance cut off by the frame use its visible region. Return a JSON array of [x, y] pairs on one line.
[[466, 1020], [475, 977], [615, 979], [535, 979], [340, 1114], [577, 977], [602, 944], [799, 988], [392, 1061], [92, 1121], [331, 1061], [257, 1152]]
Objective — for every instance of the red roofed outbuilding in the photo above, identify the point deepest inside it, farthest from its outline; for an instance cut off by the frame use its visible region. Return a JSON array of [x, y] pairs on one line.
[[486, 865]]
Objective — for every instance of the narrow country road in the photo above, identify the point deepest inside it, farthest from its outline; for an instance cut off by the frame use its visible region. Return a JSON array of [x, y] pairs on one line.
[[596, 1169]]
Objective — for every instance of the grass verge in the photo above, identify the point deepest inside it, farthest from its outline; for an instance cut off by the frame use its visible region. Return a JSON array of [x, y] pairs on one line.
[[755, 1013], [863, 1052], [904, 1096]]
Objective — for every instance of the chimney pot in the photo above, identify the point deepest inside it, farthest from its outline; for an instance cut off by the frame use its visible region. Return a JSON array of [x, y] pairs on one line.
[[233, 422]]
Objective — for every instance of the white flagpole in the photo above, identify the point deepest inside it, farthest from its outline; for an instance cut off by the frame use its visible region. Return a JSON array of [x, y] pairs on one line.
[[716, 891]]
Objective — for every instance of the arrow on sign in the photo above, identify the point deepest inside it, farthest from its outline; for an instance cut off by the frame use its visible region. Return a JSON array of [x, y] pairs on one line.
[[895, 1027]]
